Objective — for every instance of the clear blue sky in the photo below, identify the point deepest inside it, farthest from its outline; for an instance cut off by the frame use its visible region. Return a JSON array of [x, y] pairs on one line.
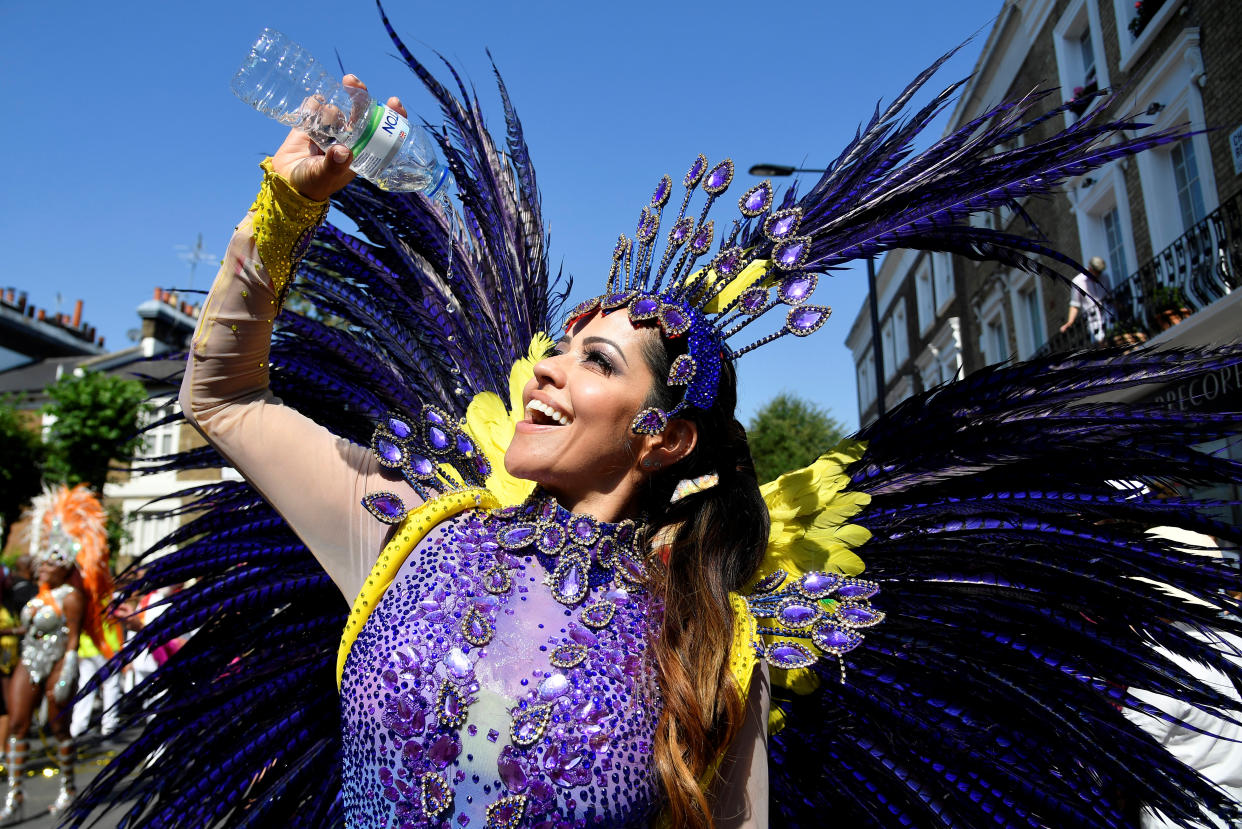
[[128, 143]]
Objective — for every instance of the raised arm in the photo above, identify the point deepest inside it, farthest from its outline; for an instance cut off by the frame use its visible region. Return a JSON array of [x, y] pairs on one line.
[[315, 479]]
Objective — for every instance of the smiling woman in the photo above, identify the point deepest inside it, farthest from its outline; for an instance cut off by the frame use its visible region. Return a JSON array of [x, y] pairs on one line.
[[573, 610]]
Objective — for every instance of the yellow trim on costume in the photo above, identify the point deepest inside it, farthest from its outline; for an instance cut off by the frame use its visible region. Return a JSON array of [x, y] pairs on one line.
[[413, 529], [284, 221]]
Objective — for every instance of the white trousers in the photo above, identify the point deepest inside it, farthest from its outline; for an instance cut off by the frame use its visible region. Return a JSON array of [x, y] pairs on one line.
[[109, 693]]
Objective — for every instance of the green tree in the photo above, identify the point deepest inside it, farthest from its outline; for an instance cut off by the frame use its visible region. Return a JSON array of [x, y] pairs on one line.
[[96, 423], [789, 433], [21, 461]]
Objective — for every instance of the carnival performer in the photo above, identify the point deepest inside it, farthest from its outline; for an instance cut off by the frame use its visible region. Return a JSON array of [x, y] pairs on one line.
[[573, 604], [70, 552]]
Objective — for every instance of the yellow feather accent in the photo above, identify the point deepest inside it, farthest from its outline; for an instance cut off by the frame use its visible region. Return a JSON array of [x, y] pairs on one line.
[[750, 274], [491, 424], [810, 509]]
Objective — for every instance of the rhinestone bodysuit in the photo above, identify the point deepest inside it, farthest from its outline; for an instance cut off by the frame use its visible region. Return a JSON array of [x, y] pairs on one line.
[[501, 681]]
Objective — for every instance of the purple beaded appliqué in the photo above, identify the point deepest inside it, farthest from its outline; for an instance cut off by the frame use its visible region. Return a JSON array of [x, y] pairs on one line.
[[475, 697]]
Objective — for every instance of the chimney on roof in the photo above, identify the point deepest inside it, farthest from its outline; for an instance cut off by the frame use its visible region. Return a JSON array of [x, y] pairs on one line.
[[101, 342], [77, 314], [8, 295], [159, 294], [41, 315], [21, 301]]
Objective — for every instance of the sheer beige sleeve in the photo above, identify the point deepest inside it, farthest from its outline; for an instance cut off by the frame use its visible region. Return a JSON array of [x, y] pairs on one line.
[[311, 477], [741, 789]]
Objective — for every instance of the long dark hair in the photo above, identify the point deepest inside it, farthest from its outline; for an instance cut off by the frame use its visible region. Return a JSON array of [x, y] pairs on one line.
[[716, 540]]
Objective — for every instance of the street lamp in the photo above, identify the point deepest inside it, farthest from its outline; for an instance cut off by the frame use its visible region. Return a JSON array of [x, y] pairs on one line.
[[779, 170], [786, 170]]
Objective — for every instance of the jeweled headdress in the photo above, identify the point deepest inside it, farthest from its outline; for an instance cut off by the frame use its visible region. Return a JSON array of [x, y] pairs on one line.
[[874, 197], [753, 272]]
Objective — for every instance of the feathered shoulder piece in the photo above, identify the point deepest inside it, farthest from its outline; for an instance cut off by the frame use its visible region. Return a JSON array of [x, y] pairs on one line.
[[438, 454]]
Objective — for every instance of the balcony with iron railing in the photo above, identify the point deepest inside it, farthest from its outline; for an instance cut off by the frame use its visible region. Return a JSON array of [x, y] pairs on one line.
[[1201, 267]]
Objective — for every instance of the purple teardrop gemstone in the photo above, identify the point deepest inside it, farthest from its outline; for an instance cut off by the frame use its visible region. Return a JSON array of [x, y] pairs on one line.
[[654, 420], [661, 191], [673, 317], [421, 465], [459, 664], [771, 581], [753, 299], [506, 812], [806, 319], [696, 170], [857, 590], [789, 253], [399, 427], [434, 417], [783, 226], [389, 505], [452, 704], [516, 536], [437, 437], [583, 528], [571, 581], [465, 445], [680, 231], [758, 199], [388, 450], [857, 615], [582, 636], [702, 239], [645, 305], [790, 655], [719, 177], [836, 640], [511, 773], [444, 750], [819, 583], [797, 288], [797, 615], [728, 264], [553, 687]]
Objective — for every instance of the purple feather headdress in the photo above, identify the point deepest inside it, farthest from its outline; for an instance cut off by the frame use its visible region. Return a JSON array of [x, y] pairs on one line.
[[874, 197]]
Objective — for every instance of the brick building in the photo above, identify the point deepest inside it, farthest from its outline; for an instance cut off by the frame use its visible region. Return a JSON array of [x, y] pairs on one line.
[[1168, 222]]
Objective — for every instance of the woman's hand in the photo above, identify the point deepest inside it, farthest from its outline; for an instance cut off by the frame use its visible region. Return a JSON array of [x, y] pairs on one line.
[[313, 173]]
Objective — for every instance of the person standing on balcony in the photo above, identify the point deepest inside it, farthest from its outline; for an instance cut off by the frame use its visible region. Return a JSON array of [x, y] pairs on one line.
[[1089, 297]]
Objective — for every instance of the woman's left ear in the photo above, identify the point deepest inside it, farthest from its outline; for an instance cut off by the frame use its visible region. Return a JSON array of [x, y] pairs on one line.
[[668, 447]]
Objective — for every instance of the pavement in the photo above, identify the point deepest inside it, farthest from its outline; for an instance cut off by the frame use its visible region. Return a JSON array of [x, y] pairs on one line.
[[43, 781]]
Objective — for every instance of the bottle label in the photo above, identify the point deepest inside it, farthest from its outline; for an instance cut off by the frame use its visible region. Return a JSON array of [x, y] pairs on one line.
[[384, 134]]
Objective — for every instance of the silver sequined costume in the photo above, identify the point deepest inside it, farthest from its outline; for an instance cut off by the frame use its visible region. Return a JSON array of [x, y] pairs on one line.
[[47, 634]]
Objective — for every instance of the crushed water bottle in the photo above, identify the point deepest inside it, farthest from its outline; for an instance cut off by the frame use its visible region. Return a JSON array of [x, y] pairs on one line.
[[282, 80]]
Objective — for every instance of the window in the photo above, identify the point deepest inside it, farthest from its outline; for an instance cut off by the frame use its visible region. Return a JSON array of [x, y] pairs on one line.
[[1116, 246], [998, 340], [1086, 52], [901, 336], [942, 280], [865, 371], [160, 440], [1179, 182], [1028, 315], [888, 348], [145, 529], [1079, 53], [925, 297], [1186, 176]]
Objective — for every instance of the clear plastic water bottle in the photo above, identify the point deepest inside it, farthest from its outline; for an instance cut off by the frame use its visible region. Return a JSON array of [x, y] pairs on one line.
[[282, 80]]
